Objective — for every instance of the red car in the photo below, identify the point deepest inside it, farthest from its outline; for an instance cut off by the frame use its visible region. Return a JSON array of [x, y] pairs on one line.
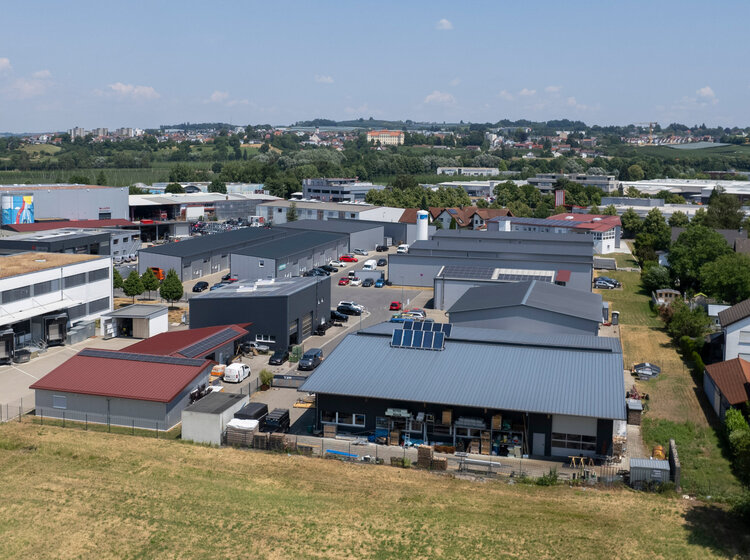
[[347, 258], [395, 306], [344, 281]]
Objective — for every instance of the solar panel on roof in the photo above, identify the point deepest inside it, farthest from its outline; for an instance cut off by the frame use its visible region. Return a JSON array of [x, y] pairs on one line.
[[408, 325], [397, 336], [438, 341], [428, 339], [452, 211], [418, 326], [173, 360], [417, 341], [408, 337], [447, 327], [200, 348]]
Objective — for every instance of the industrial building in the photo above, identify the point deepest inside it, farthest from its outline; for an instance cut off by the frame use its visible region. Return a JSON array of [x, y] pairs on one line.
[[30, 203], [567, 257], [121, 388], [532, 306], [282, 313], [360, 234], [337, 190], [469, 171], [45, 294], [504, 392], [205, 420], [547, 182], [291, 255], [276, 211], [117, 243], [140, 320], [193, 206]]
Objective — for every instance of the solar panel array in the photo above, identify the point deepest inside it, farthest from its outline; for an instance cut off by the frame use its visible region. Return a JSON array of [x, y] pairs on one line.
[[523, 277], [423, 340], [444, 328], [479, 272], [96, 353], [200, 348]]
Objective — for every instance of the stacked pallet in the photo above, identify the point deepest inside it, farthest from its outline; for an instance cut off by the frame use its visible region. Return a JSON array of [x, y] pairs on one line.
[[424, 456], [277, 442], [486, 443], [260, 441], [305, 448], [329, 430], [440, 464], [241, 432], [474, 447], [394, 437]]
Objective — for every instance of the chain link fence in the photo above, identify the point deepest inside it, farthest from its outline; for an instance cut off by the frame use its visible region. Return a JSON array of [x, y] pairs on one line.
[[104, 423], [15, 410]]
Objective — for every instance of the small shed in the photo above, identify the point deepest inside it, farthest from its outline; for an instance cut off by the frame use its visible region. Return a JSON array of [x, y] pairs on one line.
[[648, 470], [204, 421], [635, 409], [140, 320]]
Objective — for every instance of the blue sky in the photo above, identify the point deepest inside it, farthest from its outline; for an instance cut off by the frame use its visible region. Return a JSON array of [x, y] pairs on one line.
[[89, 64]]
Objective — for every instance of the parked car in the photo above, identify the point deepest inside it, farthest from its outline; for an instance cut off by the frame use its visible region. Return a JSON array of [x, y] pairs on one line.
[[277, 420], [328, 268], [200, 286], [360, 252], [315, 272], [348, 258], [349, 309], [612, 281], [354, 281], [403, 248], [367, 282], [337, 316], [603, 285], [399, 318], [381, 249], [248, 347], [226, 277], [322, 328], [133, 257], [379, 283], [117, 260], [351, 303], [235, 373], [217, 286], [395, 306], [310, 359], [338, 264], [278, 358], [158, 272], [382, 262], [344, 281], [351, 274]]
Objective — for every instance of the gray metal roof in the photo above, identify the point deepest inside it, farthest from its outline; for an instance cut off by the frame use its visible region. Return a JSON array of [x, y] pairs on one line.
[[334, 226], [556, 238], [218, 241], [138, 311], [265, 288], [294, 243], [563, 252], [649, 464], [216, 403], [539, 295], [473, 374]]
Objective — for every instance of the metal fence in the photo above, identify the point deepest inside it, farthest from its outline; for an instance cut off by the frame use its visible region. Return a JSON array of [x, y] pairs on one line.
[[101, 422], [15, 410]]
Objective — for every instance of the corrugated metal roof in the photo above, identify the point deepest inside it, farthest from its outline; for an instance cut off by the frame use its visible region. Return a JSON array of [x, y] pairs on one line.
[[266, 288], [292, 244], [735, 313], [44, 226], [649, 464], [215, 242], [333, 226], [172, 342], [496, 376]]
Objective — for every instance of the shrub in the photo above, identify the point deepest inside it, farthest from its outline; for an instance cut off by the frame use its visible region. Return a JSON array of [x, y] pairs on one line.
[[266, 377], [549, 479]]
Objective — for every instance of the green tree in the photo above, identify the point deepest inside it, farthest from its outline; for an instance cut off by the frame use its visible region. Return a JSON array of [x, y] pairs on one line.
[[482, 203], [133, 286], [700, 218], [635, 172], [679, 219], [727, 278], [171, 287], [687, 322], [101, 178], [453, 224], [594, 210], [132, 189], [695, 246], [724, 210], [405, 182], [79, 179], [217, 186], [655, 278], [150, 281], [631, 223], [174, 188], [610, 210], [116, 279], [438, 224], [654, 224], [291, 212]]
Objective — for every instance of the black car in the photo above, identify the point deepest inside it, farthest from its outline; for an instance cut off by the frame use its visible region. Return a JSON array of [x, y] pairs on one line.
[[349, 310], [315, 272], [381, 249], [367, 282], [336, 316], [278, 358], [310, 359], [382, 262], [200, 286], [323, 270], [328, 268]]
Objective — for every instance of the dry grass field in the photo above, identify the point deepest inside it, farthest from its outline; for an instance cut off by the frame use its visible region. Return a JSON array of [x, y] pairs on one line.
[[74, 494]]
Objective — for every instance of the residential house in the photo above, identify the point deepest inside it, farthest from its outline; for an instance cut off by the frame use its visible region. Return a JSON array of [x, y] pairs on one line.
[[727, 384], [735, 324]]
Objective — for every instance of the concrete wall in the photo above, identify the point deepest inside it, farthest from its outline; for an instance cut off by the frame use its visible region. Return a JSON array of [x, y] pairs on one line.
[[81, 204], [525, 319]]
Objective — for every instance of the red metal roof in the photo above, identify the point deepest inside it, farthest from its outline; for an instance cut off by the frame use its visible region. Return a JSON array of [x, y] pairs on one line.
[[170, 343], [589, 222], [57, 224], [121, 376], [732, 378]]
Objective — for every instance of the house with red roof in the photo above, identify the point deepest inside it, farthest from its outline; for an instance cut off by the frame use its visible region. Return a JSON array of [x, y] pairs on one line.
[[727, 384]]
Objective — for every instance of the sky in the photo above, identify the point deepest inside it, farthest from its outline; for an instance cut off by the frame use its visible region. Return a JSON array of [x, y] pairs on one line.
[[144, 64]]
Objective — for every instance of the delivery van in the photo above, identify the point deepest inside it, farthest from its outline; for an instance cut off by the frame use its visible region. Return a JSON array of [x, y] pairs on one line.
[[234, 373], [403, 248], [371, 264]]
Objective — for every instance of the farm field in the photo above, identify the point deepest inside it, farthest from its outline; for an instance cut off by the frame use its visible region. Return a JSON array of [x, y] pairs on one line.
[[116, 177], [83, 494]]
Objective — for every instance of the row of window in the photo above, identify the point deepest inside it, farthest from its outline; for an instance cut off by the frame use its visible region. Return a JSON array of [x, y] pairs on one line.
[[49, 286], [574, 441], [343, 418], [265, 338]]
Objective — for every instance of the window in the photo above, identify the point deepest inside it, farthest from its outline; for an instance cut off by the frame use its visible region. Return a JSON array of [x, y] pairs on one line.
[[115, 241], [574, 441], [74, 280], [99, 274], [16, 294], [98, 305], [46, 287], [77, 311], [59, 401], [265, 338], [342, 418], [261, 264]]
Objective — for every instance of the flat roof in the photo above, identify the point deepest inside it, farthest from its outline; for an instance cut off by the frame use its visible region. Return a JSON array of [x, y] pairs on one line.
[[311, 204], [522, 374], [263, 288], [225, 241], [138, 311], [216, 403], [57, 224], [24, 263], [53, 187], [56, 235], [292, 244], [333, 226], [192, 198]]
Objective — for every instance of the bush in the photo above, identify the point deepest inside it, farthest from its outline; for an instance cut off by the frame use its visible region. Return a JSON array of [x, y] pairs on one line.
[[738, 435], [266, 377], [698, 365], [549, 479]]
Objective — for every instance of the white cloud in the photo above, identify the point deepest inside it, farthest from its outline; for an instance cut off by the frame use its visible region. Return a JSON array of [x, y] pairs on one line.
[[527, 92], [41, 74], [504, 94], [444, 25], [440, 98], [707, 95], [323, 79], [5, 64], [553, 89], [572, 102], [455, 81], [130, 91], [218, 96]]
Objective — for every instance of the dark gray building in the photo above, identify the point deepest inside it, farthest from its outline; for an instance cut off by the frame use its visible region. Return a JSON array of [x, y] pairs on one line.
[[287, 256], [568, 257], [518, 393], [531, 306], [114, 242], [282, 312], [360, 234]]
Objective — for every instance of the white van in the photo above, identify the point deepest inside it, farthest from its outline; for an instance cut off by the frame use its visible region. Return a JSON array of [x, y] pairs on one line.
[[371, 264], [234, 373], [403, 248]]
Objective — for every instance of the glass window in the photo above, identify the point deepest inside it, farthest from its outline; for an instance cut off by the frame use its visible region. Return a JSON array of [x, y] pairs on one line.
[[74, 280], [98, 305], [345, 418], [59, 401], [47, 287], [16, 294], [99, 274]]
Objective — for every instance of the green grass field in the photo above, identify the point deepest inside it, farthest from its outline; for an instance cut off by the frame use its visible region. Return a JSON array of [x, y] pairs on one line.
[[74, 494], [118, 177], [631, 301]]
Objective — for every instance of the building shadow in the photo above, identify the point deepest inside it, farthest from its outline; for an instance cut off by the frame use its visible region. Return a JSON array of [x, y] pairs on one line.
[[718, 530]]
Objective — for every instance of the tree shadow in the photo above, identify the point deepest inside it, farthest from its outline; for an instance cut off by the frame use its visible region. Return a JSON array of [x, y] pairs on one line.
[[718, 530]]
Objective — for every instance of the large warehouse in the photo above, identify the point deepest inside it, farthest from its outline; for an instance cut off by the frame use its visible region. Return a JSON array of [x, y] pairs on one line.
[[520, 393], [113, 242], [287, 256], [360, 235], [283, 312], [568, 258], [28, 203]]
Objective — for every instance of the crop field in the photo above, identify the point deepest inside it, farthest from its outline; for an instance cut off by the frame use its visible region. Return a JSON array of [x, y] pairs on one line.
[[116, 177], [91, 494]]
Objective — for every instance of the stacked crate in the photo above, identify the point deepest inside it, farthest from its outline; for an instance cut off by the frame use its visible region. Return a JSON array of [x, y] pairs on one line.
[[440, 464], [329, 430], [424, 456], [485, 443], [260, 441], [394, 437], [241, 438], [277, 442]]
